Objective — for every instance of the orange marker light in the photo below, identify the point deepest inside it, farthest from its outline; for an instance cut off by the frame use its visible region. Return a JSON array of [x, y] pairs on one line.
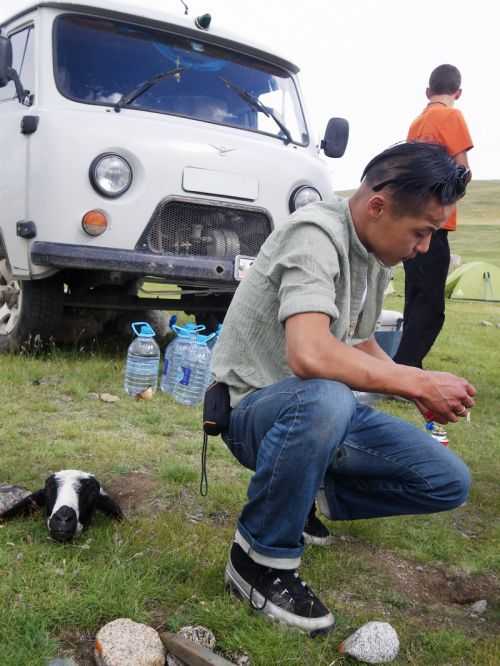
[[94, 222]]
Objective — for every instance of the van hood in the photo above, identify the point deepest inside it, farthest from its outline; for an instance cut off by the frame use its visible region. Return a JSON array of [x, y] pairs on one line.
[[171, 157]]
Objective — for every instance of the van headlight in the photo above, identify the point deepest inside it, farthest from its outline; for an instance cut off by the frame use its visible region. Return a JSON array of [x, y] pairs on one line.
[[302, 196], [110, 175]]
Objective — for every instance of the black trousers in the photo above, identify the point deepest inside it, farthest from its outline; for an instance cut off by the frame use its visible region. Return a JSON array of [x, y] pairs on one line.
[[425, 278]]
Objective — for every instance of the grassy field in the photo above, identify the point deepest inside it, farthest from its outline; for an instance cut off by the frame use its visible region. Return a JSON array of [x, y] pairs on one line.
[[164, 565]]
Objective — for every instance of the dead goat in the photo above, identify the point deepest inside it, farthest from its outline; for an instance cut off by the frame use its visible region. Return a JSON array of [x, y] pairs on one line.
[[70, 498]]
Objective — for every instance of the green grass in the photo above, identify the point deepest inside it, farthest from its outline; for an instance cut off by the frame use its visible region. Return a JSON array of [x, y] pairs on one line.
[[481, 205], [164, 565]]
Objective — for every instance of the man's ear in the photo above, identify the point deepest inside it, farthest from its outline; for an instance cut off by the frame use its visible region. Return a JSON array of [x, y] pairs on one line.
[[428, 93], [458, 94], [376, 205]]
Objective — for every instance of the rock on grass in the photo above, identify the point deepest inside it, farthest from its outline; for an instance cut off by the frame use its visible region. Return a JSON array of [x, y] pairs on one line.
[[127, 643], [374, 643]]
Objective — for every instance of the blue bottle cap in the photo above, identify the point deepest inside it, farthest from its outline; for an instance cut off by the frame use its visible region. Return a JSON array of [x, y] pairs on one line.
[[143, 329]]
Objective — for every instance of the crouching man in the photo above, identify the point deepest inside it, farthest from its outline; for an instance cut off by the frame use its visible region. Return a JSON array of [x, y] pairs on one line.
[[297, 339]]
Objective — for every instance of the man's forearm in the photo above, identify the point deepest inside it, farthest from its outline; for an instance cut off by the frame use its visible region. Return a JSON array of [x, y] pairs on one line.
[[314, 353], [372, 348], [362, 370]]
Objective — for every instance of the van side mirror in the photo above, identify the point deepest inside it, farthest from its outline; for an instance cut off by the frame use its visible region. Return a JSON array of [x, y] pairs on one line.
[[8, 73], [336, 136], [5, 61]]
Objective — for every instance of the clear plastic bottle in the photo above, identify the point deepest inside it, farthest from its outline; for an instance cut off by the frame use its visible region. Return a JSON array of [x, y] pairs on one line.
[[183, 335], [192, 363], [143, 360], [167, 358]]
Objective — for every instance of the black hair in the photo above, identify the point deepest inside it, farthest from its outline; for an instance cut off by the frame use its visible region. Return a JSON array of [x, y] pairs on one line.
[[414, 172], [445, 80]]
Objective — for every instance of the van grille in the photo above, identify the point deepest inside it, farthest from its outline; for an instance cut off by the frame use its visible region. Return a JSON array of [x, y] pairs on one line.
[[191, 229]]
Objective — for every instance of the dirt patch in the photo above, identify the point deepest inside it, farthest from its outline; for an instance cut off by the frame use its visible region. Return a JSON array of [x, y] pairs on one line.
[[431, 584], [79, 646], [136, 493], [433, 595]]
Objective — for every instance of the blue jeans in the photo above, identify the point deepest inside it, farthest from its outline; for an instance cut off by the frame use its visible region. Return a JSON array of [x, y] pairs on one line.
[[301, 436]]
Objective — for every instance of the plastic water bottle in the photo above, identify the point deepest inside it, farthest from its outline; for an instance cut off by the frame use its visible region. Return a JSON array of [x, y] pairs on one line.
[[167, 359], [192, 363], [143, 360], [183, 335]]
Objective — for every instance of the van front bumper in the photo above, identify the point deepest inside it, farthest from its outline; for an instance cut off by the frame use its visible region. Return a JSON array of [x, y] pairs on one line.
[[178, 269]]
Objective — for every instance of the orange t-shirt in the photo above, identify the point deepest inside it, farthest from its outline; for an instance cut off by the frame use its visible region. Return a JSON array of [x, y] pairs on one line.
[[442, 124]]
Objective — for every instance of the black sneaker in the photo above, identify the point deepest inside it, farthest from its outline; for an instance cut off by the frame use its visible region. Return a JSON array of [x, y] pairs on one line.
[[315, 532], [278, 593]]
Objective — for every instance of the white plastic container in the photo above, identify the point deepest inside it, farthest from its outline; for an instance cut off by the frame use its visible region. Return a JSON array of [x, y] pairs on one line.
[[389, 330]]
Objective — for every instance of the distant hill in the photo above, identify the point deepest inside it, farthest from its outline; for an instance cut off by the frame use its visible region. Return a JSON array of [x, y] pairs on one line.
[[481, 205]]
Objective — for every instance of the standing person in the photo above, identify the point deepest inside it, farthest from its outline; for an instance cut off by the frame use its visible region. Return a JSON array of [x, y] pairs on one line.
[[425, 275], [287, 356]]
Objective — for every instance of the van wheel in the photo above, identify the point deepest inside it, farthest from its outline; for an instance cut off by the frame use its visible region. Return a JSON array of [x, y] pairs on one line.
[[30, 310]]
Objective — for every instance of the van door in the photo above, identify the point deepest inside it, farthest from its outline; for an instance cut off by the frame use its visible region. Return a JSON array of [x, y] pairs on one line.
[[14, 152]]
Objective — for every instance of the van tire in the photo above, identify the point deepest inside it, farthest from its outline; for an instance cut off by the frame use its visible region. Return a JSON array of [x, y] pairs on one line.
[[33, 315]]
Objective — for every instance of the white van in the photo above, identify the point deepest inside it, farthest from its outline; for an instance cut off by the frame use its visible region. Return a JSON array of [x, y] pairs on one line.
[[145, 159]]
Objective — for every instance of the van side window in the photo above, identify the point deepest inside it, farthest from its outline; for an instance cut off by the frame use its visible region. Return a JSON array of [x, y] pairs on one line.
[[22, 62]]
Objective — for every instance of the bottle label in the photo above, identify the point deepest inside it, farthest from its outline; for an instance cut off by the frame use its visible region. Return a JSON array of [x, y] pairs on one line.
[[183, 375]]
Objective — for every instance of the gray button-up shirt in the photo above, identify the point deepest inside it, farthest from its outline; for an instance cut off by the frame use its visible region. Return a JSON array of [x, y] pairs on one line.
[[315, 262]]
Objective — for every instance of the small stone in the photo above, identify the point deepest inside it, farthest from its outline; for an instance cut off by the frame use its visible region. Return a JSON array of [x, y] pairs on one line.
[[374, 642], [108, 397], [127, 643], [93, 396], [485, 322], [200, 635], [147, 394], [479, 607], [419, 568], [62, 661], [498, 325]]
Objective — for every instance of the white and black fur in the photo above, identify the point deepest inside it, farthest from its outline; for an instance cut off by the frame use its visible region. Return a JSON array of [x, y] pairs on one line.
[[70, 498]]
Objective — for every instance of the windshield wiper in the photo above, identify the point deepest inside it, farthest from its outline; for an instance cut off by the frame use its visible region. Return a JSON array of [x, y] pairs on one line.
[[127, 98], [257, 104]]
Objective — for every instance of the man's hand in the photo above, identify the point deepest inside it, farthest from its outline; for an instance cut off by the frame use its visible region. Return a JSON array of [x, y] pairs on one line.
[[446, 396]]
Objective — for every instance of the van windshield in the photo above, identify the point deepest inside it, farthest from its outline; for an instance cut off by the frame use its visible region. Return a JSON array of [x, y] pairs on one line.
[[99, 61]]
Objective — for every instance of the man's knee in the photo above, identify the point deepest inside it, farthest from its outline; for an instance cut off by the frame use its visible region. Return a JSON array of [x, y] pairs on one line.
[[461, 485], [455, 488], [329, 407]]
